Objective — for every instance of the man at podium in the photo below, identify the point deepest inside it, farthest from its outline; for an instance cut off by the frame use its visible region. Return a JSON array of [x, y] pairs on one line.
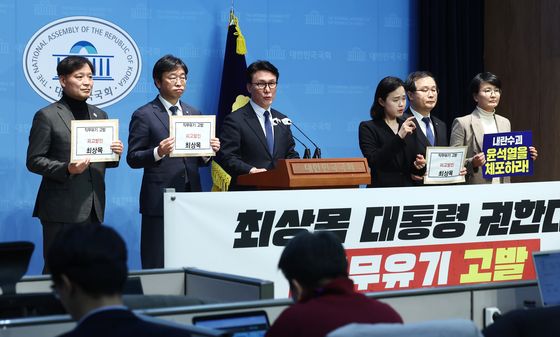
[[255, 136]]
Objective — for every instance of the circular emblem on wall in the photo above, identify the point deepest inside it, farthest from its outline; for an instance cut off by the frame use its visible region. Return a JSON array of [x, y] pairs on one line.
[[113, 53]]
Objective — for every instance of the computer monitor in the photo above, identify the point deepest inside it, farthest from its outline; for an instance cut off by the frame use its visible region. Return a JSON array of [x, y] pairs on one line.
[[547, 267], [30, 305], [238, 324], [213, 287], [198, 331]]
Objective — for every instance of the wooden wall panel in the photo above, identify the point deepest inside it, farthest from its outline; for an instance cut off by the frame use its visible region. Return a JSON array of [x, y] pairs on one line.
[[522, 47]]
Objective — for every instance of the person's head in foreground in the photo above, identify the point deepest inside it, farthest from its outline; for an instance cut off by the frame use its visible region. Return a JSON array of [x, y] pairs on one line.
[[88, 268], [311, 260]]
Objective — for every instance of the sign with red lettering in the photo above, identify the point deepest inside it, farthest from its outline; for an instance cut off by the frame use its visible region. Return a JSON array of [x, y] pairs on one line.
[[393, 268]]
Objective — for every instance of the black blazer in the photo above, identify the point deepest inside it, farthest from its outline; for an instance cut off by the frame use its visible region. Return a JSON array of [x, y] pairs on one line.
[[123, 322], [421, 142], [538, 322], [243, 143], [63, 197], [440, 133], [390, 158], [148, 127]]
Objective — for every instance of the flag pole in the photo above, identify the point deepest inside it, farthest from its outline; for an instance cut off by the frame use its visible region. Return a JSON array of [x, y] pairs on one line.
[[231, 14]]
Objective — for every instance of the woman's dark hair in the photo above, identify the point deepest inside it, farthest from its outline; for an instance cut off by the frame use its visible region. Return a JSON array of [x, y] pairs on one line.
[[311, 258], [384, 88], [484, 77]]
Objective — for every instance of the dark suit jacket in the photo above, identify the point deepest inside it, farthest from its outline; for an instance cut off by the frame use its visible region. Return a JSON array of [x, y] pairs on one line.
[[421, 142], [63, 197], [540, 322], [121, 322], [390, 158], [243, 143], [148, 127], [440, 133]]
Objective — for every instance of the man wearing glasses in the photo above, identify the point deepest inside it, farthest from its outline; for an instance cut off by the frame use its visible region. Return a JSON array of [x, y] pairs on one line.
[[422, 92], [254, 137], [149, 146], [89, 271]]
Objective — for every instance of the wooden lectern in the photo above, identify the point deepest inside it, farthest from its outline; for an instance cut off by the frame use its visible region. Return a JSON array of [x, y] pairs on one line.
[[311, 173]]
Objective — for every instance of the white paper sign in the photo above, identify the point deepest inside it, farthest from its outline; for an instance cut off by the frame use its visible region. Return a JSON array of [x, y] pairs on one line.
[[192, 135], [92, 139], [443, 164]]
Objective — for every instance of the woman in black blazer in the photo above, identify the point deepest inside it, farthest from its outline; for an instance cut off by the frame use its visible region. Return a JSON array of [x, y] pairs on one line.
[[384, 140]]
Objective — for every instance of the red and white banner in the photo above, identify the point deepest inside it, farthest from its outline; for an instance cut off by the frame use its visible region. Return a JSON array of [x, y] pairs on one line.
[[395, 238]]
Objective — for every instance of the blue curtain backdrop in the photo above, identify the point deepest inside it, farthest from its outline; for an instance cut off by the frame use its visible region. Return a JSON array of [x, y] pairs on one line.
[[330, 54]]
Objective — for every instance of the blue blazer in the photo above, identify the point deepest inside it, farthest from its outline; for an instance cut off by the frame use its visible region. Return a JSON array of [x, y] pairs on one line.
[[148, 126]]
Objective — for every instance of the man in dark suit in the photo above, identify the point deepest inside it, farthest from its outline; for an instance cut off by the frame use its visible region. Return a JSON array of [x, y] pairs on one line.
[[89, 270], [254, 136], [422, 92], [70, 193], [149, 146]]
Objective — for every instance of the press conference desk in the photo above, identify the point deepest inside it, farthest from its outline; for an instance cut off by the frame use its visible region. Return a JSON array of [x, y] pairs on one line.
[[450, 302]]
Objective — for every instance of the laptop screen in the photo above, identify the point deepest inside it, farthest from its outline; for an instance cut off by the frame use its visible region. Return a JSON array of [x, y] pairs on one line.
[[547, 267], [239, 324]]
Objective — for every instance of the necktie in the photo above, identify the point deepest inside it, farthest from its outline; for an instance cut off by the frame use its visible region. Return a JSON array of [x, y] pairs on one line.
[[269, 134], [174, 110], [429, 132]]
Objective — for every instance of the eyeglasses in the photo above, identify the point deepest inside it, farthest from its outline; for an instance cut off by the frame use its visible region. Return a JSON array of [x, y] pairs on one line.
[[488, 91], [174, 79], [262, 85], [426, 90]]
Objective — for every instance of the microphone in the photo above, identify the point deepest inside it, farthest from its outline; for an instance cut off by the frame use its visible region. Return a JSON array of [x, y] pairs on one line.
[[317, 152], [307, 151]]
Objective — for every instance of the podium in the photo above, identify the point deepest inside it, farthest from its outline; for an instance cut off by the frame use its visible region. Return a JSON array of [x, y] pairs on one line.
[[311, 173]]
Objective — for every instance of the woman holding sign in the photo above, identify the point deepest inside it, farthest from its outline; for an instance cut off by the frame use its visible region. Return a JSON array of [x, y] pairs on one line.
[[469, 130], [384, 140]]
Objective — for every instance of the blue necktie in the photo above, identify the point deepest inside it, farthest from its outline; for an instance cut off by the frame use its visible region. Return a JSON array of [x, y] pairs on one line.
[[429, 132], [173, 110], [269, 134]]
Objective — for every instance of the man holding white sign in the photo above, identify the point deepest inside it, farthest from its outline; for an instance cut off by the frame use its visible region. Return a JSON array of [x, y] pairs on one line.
[[71, 193], [150, 147], [422, 92]]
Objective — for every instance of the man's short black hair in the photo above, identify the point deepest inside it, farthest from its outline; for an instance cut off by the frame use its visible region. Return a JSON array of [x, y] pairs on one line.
[[410, 83], [91, 256], [70, 64], [167, 63], [261, 65], [311, 258]]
